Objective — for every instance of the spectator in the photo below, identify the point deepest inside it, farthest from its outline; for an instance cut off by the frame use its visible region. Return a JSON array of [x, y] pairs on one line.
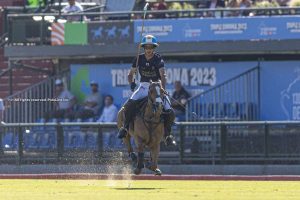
[[245, 4], [36, 3], [73, 7], [139, 5], [266, 4], [175, 6], [214, 4], [91, 105], [160, 5], [284, 3], [201, 4], [110, 111], [1, 110], [64, 104], [187, 6], [181, 96], [233, 4], [109, 114], [293, 3]]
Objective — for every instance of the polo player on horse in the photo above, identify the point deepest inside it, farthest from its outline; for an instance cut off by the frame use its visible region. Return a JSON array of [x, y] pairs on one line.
[[151, 68]]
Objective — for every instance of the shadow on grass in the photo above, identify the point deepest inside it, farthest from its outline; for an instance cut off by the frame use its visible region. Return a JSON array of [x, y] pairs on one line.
[[127, 188]]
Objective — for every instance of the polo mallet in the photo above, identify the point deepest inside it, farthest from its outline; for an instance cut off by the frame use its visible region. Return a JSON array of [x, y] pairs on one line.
[[139, 45]]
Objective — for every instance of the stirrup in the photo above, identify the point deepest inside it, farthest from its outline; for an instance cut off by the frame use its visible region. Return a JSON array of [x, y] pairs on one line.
[[122, 133], [170, 141]]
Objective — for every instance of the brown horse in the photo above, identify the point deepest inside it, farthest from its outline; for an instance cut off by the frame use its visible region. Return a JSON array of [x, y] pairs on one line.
[[147, 129]]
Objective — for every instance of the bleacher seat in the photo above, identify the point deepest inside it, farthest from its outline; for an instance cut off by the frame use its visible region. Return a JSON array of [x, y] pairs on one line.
[[231, 110], [38, 128], [210, 110], [252, 112], [90, 140], [200, 108], [244, 114], [48, 140], [32, 140], [74, 140], [10, 141], [220, 110]]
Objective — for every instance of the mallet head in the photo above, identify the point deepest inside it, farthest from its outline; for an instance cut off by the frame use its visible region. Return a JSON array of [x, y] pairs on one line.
[[146, 6]]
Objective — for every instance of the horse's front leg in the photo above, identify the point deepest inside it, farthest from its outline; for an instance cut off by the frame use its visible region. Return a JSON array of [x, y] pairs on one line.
[[140, 158], [155, 149], [130, 151]]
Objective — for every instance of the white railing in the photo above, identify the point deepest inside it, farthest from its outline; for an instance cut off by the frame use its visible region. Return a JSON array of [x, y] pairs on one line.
[[236, 99], [31, 104]]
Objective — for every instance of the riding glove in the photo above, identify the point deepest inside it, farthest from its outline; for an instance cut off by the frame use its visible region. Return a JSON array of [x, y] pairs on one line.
[[132, 86]]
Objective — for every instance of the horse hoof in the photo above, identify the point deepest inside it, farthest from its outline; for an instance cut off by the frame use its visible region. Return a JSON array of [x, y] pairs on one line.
[[157, 172], [133, 157], [137, 171]]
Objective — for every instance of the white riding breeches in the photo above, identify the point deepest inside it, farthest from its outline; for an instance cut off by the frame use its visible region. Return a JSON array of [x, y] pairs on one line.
[[142, 91]]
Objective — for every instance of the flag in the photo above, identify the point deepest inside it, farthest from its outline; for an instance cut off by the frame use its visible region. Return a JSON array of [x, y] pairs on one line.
[[58, 34]]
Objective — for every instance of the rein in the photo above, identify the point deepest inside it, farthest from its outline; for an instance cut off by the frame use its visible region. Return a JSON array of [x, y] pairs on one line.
[[148, 122]]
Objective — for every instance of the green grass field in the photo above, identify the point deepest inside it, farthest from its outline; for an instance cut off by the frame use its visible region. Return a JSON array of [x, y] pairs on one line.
[[149, 190]]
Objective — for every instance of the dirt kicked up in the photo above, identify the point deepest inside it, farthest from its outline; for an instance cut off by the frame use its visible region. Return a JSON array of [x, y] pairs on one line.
[[146, 189]]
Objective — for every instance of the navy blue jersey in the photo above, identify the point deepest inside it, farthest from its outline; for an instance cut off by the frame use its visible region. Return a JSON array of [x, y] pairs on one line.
[[149, 69]]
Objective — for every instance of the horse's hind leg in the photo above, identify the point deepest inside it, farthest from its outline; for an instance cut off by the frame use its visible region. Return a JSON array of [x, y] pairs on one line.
[[120, 118], [126, 140]]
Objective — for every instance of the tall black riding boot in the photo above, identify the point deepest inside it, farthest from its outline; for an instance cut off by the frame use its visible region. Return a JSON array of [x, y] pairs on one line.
[[169, 118], [129, 113]]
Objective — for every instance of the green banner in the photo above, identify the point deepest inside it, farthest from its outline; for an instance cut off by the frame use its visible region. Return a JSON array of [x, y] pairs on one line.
[[79, 81], [76, 33]]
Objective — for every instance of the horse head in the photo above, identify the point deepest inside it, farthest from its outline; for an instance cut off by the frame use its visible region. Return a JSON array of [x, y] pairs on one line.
[[155, 95]]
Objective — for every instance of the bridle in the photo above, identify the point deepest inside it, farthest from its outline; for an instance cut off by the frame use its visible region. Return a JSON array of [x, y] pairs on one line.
[[156, 102]]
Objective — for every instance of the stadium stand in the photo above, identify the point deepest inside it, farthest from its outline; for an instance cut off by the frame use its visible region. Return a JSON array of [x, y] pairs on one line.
[[206, 139], [22, 77], [5, 3]]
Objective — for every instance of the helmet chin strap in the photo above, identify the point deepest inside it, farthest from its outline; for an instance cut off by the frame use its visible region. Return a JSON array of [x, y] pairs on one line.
[[149, 56]]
